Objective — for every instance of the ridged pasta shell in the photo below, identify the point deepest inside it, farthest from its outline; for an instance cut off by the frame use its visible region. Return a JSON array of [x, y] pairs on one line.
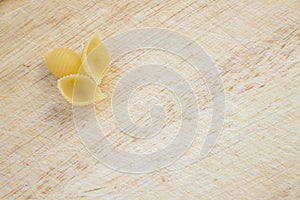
[[95, 59], [62, 62], [79, 89]]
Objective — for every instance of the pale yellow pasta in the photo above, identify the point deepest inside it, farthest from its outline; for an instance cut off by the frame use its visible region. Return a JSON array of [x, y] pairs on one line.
[[90, 45], [62, 62], [79, 89], [95, 59]]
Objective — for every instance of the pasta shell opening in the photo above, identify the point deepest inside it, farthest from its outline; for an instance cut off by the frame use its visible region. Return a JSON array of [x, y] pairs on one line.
[[79, 89]]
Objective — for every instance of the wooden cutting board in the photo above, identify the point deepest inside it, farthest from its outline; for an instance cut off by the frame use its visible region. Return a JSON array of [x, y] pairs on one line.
[[255, 46]]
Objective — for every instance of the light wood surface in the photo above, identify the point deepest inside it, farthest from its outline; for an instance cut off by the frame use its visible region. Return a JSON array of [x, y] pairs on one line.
[[255, 46]]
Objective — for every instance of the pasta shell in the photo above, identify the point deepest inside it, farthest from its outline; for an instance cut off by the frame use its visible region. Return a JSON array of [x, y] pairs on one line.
[[88, 47], [95, 59], [62, 62], [79, 89], [92, 44]]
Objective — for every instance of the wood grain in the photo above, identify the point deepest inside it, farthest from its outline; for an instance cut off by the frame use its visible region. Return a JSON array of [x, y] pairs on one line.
[[255, 46]]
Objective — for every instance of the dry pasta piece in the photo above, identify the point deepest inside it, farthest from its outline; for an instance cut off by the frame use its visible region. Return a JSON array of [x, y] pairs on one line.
[[90, 45], [62, 62], [79, 89], [95, 59]]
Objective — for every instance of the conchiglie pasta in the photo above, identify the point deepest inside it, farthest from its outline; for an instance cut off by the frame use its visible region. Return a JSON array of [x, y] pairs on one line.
[[62, 62], [79, 89], [90, 45], [95, 59]]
